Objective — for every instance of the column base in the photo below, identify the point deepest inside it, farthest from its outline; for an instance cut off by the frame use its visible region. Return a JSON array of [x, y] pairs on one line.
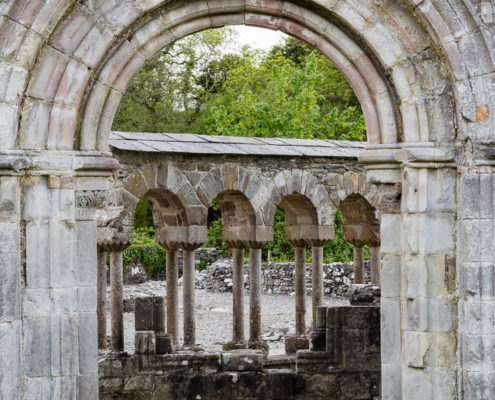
[[295, 343], [260, 345], [229, 346]]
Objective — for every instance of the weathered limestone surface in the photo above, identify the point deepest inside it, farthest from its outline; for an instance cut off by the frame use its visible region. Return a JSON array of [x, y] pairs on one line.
[[423, 72]]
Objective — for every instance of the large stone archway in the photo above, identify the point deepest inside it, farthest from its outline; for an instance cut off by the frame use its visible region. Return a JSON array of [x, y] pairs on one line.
[[423, 71]]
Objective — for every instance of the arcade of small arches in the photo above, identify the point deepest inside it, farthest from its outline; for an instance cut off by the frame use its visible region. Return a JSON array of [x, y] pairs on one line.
[[247, 188], [423, 71]]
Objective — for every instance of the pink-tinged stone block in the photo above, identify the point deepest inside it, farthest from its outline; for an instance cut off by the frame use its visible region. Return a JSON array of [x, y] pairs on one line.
[[72, 31], [18, 45], [91, 116], [49, 15], [119, 14], [305, 17], [116, 63], [270, 7], [8, 125], [25, 11], [223, 7], [94, 46], [262, 21], [12, 83], [106, 120], [128, 72], [299, 31], [227, 20], [368, 71], [194, 9], [34, 124], [152, 29], [188, 28], [156, 44], [72, 84], [61, 128], [46, 77]]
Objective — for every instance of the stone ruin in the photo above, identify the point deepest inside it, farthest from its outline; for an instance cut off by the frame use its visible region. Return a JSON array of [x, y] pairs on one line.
[[423, 71]]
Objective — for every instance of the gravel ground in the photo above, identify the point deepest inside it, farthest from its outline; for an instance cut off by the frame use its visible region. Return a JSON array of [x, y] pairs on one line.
[[214, 316]]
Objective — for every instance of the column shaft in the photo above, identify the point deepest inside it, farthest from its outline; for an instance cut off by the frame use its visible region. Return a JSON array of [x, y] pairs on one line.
[[375, 264], [101, 307], [238, 295], [188, 297], [316, 281], [300, 288], [358, 264], [117, 310], [172, 276], [255, 295]]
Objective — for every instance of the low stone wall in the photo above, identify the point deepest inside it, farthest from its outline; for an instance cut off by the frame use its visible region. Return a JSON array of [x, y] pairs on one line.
[[278, 277]]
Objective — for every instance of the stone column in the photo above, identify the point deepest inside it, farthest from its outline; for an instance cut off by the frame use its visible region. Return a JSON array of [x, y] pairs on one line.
[[101, 307], [238, 295], [316, 281], [172, 276], [255, 295], [300, 289], [375, 264], [358, 264], [300, 340], [117, 300], [188, 257]]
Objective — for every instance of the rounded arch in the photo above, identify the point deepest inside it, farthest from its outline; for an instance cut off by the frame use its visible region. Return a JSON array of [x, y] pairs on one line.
[[237, 181], [361, 224], [387, 56], [308, 208]]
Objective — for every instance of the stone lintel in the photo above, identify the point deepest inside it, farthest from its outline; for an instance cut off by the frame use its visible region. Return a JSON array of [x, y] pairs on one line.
[[304, 235], [182, 237], [362, 234], [254, 237]]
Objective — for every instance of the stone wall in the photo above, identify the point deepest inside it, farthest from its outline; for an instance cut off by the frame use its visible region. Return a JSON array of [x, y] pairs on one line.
[[278, 277], [345, 366]]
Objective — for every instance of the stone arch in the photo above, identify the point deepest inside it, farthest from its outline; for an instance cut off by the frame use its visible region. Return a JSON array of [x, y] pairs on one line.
[[386, 71], [237, 184], [309, 210], [354, 184], [179, 216], [361, 224]]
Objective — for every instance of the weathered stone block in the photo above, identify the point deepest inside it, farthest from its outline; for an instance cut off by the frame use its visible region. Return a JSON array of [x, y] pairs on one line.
[[164, 343], [150, 314], [242, 360], [145, 343], [364, 294], [295, 343]]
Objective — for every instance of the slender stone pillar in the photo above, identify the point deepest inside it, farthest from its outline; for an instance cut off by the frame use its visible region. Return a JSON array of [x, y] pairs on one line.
[[358, 264], [375, 264], [172, 276], [316, 281], [188, 298], [101, 307], [255, 295], [238, 295], [117, 301], [300, 289]]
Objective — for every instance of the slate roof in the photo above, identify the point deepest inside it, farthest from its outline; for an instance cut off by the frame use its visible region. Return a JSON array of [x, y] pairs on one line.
[[204, 144]]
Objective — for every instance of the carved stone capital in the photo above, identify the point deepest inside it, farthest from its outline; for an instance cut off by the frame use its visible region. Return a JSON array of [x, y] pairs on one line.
[[115, 239]]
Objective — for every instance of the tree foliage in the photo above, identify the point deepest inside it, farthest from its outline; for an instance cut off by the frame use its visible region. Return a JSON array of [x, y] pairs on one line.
[[197, 86]]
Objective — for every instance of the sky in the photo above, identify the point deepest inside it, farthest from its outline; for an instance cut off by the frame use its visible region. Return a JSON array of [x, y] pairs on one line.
[[258, 38]]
